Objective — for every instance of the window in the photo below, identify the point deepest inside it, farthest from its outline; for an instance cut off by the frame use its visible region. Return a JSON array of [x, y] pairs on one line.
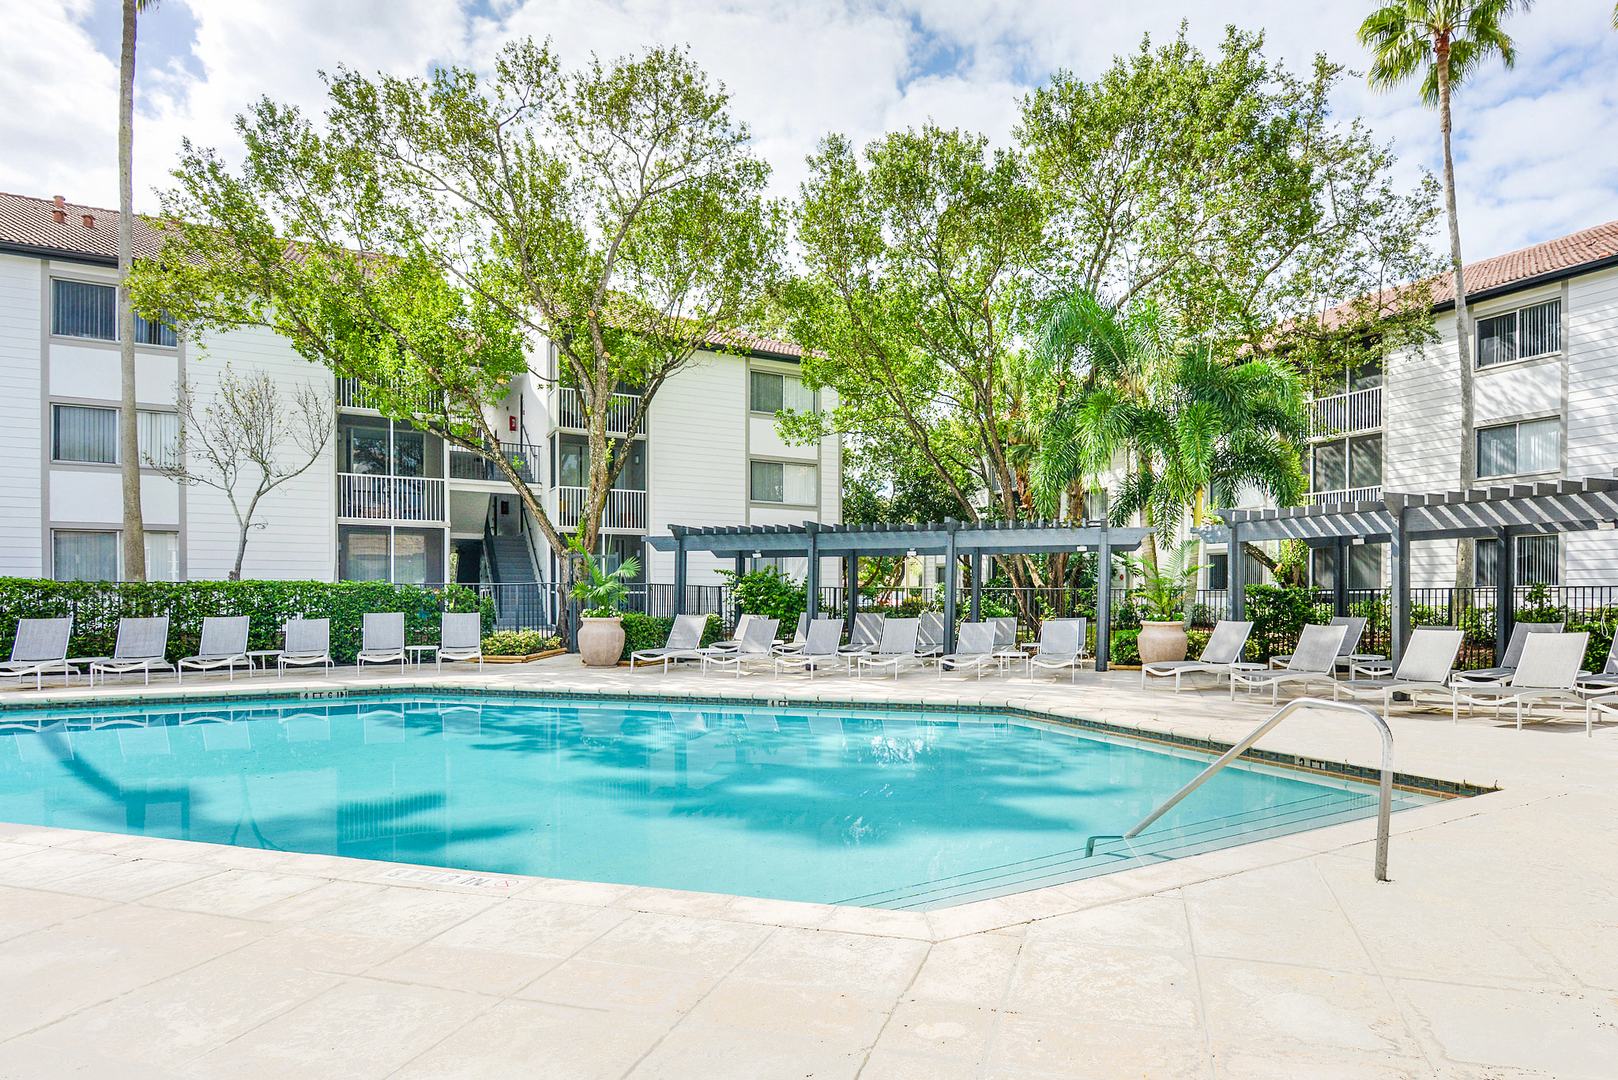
[[1365, 566], [1347, 463], [84, 433], [377, 447], [1330, 466], [159, 435], [1095, 505], [85, 310], [783, 482], [1219, 571], [1365, 461], [1539, 561], [1533, 446], [162, 556], [772, 393], [362, 553], [84, 556], [1520, 335]]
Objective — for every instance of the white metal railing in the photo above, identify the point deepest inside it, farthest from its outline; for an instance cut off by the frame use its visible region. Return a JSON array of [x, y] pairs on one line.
[[353, 394], [620, 411], [1352, 413], [1346, 495], [371, 497], [624, 510]]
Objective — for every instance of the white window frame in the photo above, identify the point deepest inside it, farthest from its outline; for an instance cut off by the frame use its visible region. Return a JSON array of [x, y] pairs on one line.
[[785, 463], [1515, 315], [784, 376], [1516, 426], [118, 549], [114, 338]]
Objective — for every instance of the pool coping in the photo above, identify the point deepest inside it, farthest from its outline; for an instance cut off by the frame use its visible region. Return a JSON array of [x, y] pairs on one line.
[[1413, 783]]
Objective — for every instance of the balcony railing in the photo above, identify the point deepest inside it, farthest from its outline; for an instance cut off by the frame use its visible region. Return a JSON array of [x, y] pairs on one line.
[[398, 499], [353, 394], [525, 457], [1353, 413], [620, 411], [1346, 495], [625, 510]]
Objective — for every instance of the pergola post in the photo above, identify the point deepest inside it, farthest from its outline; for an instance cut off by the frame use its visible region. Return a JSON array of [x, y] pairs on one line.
[[851, 589], [1399, 584], [1103, 601], [1236, 568], [679, 570], [1505, 590], [735, 596], [1339, 591], [811, 574], [977, 585], [952, 570]]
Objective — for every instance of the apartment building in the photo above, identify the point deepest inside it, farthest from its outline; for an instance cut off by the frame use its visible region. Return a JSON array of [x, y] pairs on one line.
[[384, 500], [1544, 376]]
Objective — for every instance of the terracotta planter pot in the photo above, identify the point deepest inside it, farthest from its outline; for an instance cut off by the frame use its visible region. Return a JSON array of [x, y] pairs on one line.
[[601, 641], [1161, 641]]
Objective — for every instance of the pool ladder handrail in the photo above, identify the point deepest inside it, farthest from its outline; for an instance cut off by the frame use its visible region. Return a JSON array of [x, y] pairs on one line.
[[1384, 808]]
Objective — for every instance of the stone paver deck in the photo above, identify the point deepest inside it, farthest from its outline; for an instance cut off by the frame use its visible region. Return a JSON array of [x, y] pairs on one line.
[[1493, 952]]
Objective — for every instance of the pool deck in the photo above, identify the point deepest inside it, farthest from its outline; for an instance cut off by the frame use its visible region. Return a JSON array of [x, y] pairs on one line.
[[1492, 953]]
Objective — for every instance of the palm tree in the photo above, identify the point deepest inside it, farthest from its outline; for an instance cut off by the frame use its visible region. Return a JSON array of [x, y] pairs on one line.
[[128, 430], [1444, 41], [1194, 428]]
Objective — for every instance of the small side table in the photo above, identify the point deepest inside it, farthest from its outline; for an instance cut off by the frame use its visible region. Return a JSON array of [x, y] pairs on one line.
[[261, 658], [80, 665], [1245, 668], [418, 653]]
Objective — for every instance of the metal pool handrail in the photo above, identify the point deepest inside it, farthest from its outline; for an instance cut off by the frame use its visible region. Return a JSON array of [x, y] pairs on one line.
[[1385, 797]]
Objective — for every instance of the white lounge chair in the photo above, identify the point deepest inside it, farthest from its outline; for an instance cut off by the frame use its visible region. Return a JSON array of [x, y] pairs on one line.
[[896, 650], [223, 645], [1313, 661], [1548, 670], [141, 646], [1061, 645], [974, 650], [308, 643], [1218, 658], [930, 634], [735, 640], [1502, 672], [382, 639], [867, 632], [819, 650], [1604, 681], [460, 637], [754, 649], [1424, 668], [40, 649], [1005, 641], [1354, 629], [798, 636], [684, 643]]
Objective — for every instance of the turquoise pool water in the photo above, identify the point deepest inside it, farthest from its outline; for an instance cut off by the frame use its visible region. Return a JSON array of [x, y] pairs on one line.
[[896, 809]]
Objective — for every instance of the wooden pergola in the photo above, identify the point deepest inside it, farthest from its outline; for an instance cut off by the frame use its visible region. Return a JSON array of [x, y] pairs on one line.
[[956, 540], [1398, 519]]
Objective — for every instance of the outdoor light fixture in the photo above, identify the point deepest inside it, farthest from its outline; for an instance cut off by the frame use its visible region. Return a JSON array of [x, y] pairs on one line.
[[1357, 540], [911, 554], [758, 554], [1607, 526]]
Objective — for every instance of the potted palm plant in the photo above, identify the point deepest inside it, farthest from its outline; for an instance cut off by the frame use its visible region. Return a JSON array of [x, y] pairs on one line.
[[602, 593], [1164, 589]]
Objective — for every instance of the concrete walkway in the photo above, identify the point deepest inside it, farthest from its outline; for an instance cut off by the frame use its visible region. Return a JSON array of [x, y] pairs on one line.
[[1493, 952]]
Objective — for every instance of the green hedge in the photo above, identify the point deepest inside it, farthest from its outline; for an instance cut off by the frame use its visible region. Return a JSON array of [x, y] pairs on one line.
[[96, 607], [1125, 645], [652, 631]]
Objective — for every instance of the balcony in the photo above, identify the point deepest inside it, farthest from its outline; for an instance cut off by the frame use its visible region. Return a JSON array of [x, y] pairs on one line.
[[1345, 495], [397, 500], [524, 457], [620, 411], [352, 394], [625, 510], [1353, 413]]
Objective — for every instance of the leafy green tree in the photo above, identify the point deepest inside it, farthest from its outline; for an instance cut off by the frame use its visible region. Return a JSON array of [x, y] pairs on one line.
[[423, 234], [1444, 42], [1221, 188], [1191, 428]]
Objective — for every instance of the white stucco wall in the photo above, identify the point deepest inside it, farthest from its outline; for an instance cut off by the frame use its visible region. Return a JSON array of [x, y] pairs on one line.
[[21, 442]]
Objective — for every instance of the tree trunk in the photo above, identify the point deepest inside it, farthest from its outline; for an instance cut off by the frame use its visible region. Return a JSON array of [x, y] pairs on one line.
[[134, 531], [1463, 548]]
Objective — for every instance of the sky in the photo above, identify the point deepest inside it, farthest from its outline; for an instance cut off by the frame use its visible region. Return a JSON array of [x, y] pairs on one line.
[[1536, 152]]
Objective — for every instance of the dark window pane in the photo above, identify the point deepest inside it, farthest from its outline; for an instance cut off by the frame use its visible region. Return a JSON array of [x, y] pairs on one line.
[[85, 556], [1365, 566], [1497, 451], [80, 309], [768, 392], [1331, 466], [1539, 560], [1497, 340], [362, 553], [768, 482], [83, 433], [1219, 571], [1365, 461]]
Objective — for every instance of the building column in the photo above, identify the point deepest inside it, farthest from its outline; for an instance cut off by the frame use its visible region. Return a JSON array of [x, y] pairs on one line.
[[952, 573], [1103, 602], [1399, 586]]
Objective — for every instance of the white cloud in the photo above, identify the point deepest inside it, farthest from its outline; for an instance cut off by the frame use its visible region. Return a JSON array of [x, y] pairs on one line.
[[1535, 153]]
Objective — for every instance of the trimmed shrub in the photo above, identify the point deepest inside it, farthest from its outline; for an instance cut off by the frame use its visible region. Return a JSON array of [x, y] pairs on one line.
[[652, 631], [519, 643], [1125, 647], [769, 593], [96, 607]]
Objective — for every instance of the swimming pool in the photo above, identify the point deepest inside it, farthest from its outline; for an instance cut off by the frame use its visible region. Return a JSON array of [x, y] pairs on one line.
[[905, 809]]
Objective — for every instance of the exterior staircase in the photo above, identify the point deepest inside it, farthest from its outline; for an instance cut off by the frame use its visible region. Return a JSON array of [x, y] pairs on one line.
[[519, 602]]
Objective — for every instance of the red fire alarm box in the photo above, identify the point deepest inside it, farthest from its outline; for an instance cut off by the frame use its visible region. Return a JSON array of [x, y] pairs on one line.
[[512, 421]]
